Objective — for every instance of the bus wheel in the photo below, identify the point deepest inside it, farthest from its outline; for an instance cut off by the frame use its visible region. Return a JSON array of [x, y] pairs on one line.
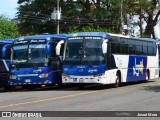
[[147, 76], [81, 86], [117, 82], [61, 85], [7, 88], [32, 87]]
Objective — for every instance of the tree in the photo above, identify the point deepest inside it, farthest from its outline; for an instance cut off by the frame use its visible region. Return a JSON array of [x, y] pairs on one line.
[[34, 16], [148, 13], [8, 28]]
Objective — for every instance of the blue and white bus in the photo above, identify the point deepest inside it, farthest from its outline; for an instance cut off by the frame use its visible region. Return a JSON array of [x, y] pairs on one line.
[[158, 42], [34, 62], [97, 57], [5, 53]]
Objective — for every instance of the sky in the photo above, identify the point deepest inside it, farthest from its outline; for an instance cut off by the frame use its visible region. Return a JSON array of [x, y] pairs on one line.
[[8, 8]]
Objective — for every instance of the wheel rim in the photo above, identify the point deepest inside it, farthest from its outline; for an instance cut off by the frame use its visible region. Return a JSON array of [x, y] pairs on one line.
[[117, 82], [147, 76]]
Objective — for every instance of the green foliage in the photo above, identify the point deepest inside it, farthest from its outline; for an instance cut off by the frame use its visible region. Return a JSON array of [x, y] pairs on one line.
[[34, 15], [8, 28], [88, 29]]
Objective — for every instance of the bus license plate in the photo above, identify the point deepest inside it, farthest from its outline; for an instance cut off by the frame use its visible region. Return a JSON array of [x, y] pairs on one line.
[[81, 80], [74, 79]]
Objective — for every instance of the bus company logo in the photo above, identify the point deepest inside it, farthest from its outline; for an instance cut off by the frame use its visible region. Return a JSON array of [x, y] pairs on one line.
[[36, 71], [91, 71], [80, 70], [138, 68]]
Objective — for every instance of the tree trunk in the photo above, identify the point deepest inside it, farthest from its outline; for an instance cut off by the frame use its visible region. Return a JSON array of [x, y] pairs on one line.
[[149, 28]]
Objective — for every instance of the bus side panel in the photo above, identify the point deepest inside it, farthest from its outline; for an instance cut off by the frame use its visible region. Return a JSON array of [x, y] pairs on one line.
[[3, 74], [152, 65], [110, 76], [122, 65], [136, 68]]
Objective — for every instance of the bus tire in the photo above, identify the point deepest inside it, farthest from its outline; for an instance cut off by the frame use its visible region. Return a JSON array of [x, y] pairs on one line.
[[117, 82], [7, 88], [81, 86], [61, 85], [147, 76]]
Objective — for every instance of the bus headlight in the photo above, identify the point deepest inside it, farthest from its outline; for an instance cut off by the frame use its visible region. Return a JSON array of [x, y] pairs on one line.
[[13, 77], [45, 75]]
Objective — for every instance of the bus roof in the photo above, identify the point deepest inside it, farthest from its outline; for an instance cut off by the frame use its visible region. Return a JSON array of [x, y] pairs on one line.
[[47, 37], [96, 34], [106, 35], [7, 41], [144, 39]]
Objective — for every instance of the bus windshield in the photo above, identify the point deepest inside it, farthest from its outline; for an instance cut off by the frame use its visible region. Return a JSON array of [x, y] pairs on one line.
[[20, 53], [37, 53], [84, 50]]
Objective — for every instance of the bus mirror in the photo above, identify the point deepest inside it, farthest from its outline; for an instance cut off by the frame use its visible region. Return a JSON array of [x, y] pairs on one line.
[[4, 50], [58, 47], [48, 48], [104, 47]]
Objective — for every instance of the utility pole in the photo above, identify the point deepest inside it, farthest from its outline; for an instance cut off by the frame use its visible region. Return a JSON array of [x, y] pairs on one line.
[[56, 15], [58, 11], [121, 16]]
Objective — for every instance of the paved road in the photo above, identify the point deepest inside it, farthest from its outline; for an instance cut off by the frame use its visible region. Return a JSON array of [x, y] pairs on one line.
[[130, 97]]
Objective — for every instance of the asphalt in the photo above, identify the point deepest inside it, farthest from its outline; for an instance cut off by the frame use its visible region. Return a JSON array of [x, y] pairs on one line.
[[139, 96]]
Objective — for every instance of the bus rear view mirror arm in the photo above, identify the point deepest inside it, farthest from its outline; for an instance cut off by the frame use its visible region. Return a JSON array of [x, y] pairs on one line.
[[104, 46], [58, 47]]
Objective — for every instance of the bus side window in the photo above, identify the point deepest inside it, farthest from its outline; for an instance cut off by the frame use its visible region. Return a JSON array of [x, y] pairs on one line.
[[132, 49], [8, 53], [150, 51], [113, 48], [145, 50], [159, 51], [139, 49]]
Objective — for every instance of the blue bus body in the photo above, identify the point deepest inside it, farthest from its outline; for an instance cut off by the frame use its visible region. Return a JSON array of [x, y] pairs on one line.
[[5, 61], [103, 58], [34, 61]]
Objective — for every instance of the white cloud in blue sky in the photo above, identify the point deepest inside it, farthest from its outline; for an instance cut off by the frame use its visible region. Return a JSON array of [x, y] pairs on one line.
[[8, 8]]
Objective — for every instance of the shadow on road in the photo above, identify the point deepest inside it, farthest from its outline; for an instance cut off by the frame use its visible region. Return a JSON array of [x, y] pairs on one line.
[[152, 88], [90, 87]]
